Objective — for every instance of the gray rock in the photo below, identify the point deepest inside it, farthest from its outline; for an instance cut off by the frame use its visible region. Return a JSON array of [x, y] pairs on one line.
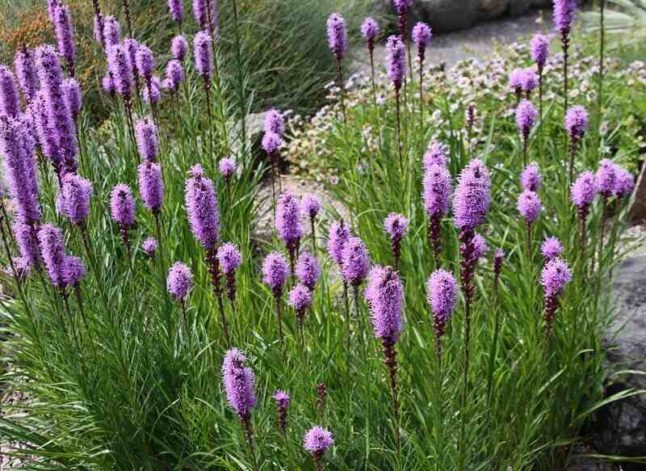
[[448, 15]]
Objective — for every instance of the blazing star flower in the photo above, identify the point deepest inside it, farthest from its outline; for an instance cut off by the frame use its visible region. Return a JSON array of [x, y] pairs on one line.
[[531, 178], [317, 440], [529, 206], [540, 50], [229, 257], [25, 67], [174, 75], [179, 47], [227, 167], [606, 178], [551, 248], [107, 84], [355, 261], [149, 246], [385, 297], [624, 183], [73, 270], [64, 34], [516, 79], [564, 11], [396, 226], [75, 198], [239, 383], [9, 98], [122, 205], [422, 36], [583, 192], [201, 14], [472, 196], [176, 10], [310, 205], [179, 281], [145, 62], [576, 122], [529, 81], [271, 143], [26, 236], [396, 61], [120, 67], [73, 97], [146, 137], [555, 276], [274, 122], [442, 291], [300, 298], [526, 116], [46, 135], [370, 31], [402, 6], [288, 222], [282, 403], [337, 35], [275, 272], [203, 51], [308, 270], [152, 92], [202, 208], [111, 31], [436, 154], [151, 186], [480, 247], [338, 236], [52, 249]]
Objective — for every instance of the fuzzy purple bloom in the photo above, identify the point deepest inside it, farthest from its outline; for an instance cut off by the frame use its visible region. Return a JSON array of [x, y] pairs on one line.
[[229, 257], [52, 249], [480, 247], [555, 276], [300, 298], [174, 75], [436, 154], [472, 196], [25, 67], [437, 190], [149, 246], [385, 297], [317, 440], [152, 92], [583, 190], [111, 31], [529, 206], [310, 205], [227, 167], [107, 83], [239, 382], [145, 62], [356, 261], [201, 14], [146, 137], [120, 67], [624, 182], [176, 10], [576, 122], [122, 205], [73, 96], [531, 178], [275, 272], [9, 98], [179, 47], [308, 270], [203, 54], [75, 198], [73, 270], [45, 134], [179, 281], [370, 31], [274, 122], [131, 46], [282, 403], [422, 36], [551, 248], [288, 220], [337, 35], [396, 226], [26, 236], [526, 116], [64, 34], [529, 80], [606, 178], [202, 208], [516, 79], [540, 50], [441, 292], [271, 143], [396, 61], [338, 236], [563, 12], [151, 186]]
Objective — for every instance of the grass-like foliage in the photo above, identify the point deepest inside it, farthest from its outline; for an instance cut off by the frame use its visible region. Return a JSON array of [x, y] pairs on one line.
[[115, 373]]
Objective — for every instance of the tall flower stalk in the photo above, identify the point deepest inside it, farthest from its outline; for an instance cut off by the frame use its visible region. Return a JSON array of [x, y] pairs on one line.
[[525, 120], [441, 291], [576, 125], [582, 194], [397, 74], [422, 38], [311, 206], [275, 272], [555, 276], [370, 31], [396, 226], [539, 51], [563, 13], [239, 384], [435, 195], [337, 36], [203, 52], [317, 441]]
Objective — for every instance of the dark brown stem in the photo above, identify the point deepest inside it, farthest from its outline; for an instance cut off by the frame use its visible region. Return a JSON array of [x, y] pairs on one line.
[[400, 149], [339, 75], [126, 9]]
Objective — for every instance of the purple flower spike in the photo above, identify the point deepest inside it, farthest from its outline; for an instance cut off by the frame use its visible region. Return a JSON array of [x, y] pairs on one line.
[[385, 297], [145, 62], [576, 122], [9, 98], [564, 15], [437, 190], [107, 84], [516, 79], [26, 236], [396, 61], [152, 92], [472, 196], [526, 116], [75, 198], [275, 272], [300, 298], [229, 257], [356, 261], [436, 154], [441, 291], [274, 122], [122, 209], [239, 382], [149, 246], [624, 183], [480, 247], [65, 35], [308, 270], [551, 248], [52, 249], [176, 10], [337, 35], [529, 81], [174, 75], [179, 48], [227, 167], [338, 236], [203, 52], [288, 223], [146, 137], [540, 50], [310, 205], [111, 31], [25, 67], [606, 178], [282, 403], [583, 192], [370, 31], [317, 440], [151, 186], [73, 96], [529, 206], [402, 6], [422, 36], [120, 67], [201, 14], [555, 276], [531, 178], [271, 143], [396, 226], [179, 281], [73, 271], [202, 208]]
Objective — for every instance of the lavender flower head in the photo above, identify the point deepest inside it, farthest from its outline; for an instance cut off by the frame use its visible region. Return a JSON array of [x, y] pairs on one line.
[[356, 261], [75, 198], [564, 15], [576, 122], [317, 440], [111, 31], [402, 6], [606, 178], [149, 246], [146, 137], [337, 35], [480, 247], [624, 183], [529, 80], [338, 236], [151, 186], [396, 226], [203, 53], [436, 154], [174, 75], [64, 33], [271, 143], [131, 46], [107, 83], [179, 47], [229, 257], [551, 248], [282, 398], [239, 382], [516, 79], [202, 208], [385, 297], [179, 281], [9, 98], [540, 50], [152, 92], [227, 167], [288, 219], [422, 36], [396, 61], [52, 248], [310, 205], [275, 272], [300, 298], [370, 31], [202, 15], [583, 190], [120, 68], [531, 178], [27, 241], [176, 10], [73, 96], [145, 62], [122, 205], [274, 122], [526, 116], [437, 191], [26, 73], [555, 276], [441, 291], [472, 196], [73, 270], [529, 206], [308, 270]]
